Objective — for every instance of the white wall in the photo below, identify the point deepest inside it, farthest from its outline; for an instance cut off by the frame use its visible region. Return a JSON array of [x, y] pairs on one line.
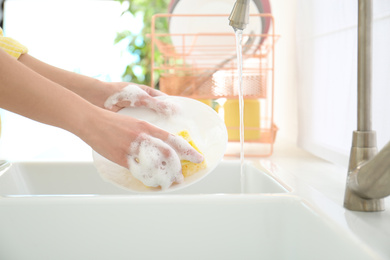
[[327, 75], [316, 74], [285, 110], [76, 35]]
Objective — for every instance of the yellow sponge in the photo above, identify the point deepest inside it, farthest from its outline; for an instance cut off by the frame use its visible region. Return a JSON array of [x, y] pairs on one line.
[[189, 168]]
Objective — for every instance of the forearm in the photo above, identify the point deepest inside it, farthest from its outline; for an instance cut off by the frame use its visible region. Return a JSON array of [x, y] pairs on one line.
[[27, 93], [89, 88]]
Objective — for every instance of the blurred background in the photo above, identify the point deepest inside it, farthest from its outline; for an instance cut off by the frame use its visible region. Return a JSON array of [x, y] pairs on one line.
[[314, 68]]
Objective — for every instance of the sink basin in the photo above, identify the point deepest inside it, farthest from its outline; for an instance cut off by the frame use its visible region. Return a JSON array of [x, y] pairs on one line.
[[29, 178], [64, 211]]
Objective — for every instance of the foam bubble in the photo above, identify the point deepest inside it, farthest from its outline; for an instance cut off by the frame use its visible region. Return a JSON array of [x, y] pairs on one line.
[[129, 93], [184, 149], [148, 163], [136, 96]]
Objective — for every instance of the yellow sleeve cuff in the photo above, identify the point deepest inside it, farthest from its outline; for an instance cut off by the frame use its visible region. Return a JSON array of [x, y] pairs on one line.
[[11, 46]]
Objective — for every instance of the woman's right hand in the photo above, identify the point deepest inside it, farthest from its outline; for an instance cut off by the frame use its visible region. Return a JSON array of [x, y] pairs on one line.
[[149, 152]]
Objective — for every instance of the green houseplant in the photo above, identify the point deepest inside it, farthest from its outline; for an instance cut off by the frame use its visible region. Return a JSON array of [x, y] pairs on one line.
[[140, 43]]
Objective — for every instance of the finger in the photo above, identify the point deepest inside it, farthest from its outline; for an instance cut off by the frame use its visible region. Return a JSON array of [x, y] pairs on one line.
[[160, 106], [130, 93], [184, 149], [154, 163], [123, 103], [135, 96], [152, 92]]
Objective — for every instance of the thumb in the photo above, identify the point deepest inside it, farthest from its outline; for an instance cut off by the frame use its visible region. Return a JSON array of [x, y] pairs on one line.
[[184, 150]]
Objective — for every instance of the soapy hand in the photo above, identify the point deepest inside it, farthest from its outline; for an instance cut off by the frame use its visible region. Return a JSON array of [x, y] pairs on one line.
[[134, 95], [157, 163], [154, 155], [151, 154]]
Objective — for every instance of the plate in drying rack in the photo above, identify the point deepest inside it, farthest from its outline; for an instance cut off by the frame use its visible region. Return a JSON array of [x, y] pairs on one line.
[[207, 37]]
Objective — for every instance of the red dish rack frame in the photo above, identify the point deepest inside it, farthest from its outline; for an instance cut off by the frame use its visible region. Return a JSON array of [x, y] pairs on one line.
[[203, 66]]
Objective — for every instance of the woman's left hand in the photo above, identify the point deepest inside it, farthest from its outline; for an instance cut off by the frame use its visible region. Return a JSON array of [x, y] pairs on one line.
[[134, 95]]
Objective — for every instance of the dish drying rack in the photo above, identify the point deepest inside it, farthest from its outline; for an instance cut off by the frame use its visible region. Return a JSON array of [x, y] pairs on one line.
[[203, 66]]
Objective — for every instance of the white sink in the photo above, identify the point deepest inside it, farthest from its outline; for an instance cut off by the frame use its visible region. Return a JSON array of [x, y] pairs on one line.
[[48, 211], [82, 178]]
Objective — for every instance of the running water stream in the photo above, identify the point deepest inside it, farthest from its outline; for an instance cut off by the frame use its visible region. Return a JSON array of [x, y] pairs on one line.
[[240, 103]]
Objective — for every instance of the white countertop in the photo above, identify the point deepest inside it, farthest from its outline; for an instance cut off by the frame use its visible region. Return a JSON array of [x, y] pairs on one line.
[[322, 185]]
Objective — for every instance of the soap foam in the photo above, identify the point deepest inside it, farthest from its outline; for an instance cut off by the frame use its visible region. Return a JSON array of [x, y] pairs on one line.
[[184, 149], [148, 164], [129, 93], [136, 95]]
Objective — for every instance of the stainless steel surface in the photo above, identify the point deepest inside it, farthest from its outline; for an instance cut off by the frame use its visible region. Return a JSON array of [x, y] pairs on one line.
[[364, 64], [239, 17], [363, 150], [369, 172]]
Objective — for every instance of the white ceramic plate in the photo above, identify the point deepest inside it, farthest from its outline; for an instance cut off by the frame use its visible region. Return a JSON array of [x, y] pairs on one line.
[[205, 126], [208, 46]]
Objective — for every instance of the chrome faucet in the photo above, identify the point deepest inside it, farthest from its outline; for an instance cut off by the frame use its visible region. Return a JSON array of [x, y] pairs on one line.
[[368, 181], [239, 17]]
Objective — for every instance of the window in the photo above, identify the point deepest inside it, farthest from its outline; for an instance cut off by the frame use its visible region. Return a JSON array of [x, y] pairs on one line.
[[76, 35], [327, 75]]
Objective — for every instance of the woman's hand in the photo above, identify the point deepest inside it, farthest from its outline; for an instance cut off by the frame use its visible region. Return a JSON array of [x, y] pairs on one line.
[[151, 154], [134, 95]]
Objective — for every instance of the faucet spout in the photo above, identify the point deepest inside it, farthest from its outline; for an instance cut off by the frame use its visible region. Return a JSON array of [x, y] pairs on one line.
[[368, 179], [239, 17]]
